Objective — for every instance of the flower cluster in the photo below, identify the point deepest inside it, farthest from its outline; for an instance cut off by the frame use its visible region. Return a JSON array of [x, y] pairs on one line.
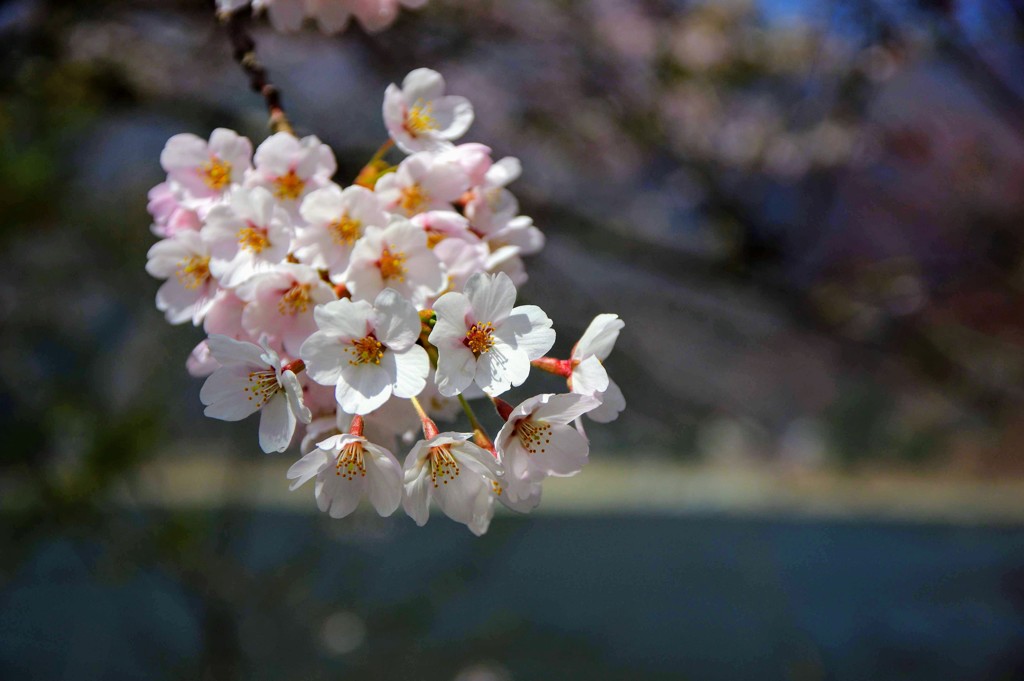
[[332, 16], [366, 311]]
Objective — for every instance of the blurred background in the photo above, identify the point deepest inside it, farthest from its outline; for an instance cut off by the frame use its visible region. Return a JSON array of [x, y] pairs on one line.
[[810, 214]]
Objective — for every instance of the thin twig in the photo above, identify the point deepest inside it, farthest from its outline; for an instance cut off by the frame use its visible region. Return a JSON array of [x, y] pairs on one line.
[[243, 48]]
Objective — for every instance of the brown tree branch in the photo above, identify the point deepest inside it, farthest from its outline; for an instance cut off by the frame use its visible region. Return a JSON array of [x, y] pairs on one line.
[[243, 48]]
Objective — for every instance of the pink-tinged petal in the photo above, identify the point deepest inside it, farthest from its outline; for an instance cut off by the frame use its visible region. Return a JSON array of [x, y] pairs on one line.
[[410, 370], [362, 388], [599, 338], [183, 152], [456, 369], [422, 84], [200, 362], [277, 425], [176, 301], [293, 391], [306, 468], [384, 479], [532, 329], [451, 310], [563, 453], [345, 319], [416, 497], [453, 115], [229, 351], [562, 409], [344, 493], [501, 368], [483, 510], [612, 403], [287, 15], [223, 394], [332, 17], [457, 498], [589, 377], [491, 297], [322, 206], [395, 321], [325, 357], [276, 152]]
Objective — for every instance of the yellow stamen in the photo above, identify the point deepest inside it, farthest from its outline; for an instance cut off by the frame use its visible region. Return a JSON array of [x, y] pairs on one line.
[[392, 265], [480, 338], [216, 173], [366, 350], [253, 238], [345, 230], [420, 118], [443, 465], [533, 436], [262, 386], [296, 299], [350, 461], [434, 238], [412, 199], [289, 187], [193, 272]]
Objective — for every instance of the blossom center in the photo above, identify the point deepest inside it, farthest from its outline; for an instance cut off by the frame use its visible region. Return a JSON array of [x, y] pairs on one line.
[[420, 118], [295, 300], [289, 186], [262, 386], [216, 173], [443, 466], [392, 264], [193, 272], [344, 230], [480, 338], [533, 436], [366, 350], [434, 238], [412, 199], [253, 238], [350, 461]]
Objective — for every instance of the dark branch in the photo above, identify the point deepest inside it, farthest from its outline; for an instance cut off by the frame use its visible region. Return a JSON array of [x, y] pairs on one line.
[[243, 48]]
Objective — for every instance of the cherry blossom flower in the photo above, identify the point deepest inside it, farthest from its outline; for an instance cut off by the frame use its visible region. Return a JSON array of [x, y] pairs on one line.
[[290, 168], [251, 378], [169, 216], [348, 467], [423, 182], [184, 261], [249, 235], [396, 257], [336, 219], [519, 232], [419, 117], [481, 337], [281, 303], [204, 170], [537, 441], [368, 352], [458, 475], [588, 373], [490, 202]]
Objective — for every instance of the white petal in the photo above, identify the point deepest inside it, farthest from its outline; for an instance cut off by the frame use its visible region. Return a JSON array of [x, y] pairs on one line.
[[612, 402], [533, 331], [491, 297], [409, 370], [395, 321], [306, 468], [456, 368], [562, 409], [362, 388], [600, 337], [277, 424], [230, 351], [325, 357], [384, 479], [589, 377], [416, 497], [422, 84], [563, 453]]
